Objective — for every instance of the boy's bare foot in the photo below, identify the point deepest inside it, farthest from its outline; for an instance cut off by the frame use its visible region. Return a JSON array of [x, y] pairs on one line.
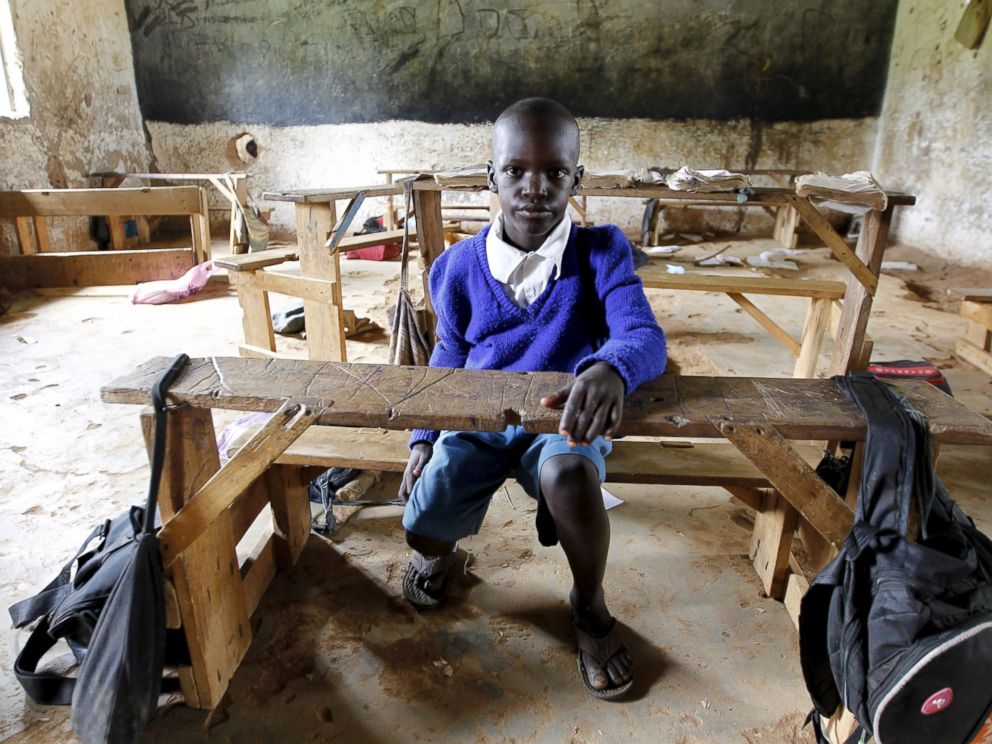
[[605, 663]]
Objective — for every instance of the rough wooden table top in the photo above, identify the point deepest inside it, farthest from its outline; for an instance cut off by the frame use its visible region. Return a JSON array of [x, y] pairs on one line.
[[394, 397]]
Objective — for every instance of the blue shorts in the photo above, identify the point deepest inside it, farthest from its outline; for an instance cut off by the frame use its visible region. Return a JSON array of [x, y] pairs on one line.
[[450, 499]]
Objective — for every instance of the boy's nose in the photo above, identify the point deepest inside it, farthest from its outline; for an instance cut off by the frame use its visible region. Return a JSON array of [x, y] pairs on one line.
[[535, 184]]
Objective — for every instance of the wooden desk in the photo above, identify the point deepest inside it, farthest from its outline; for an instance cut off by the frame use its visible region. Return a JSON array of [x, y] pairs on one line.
[[315, 209], [206, 509]]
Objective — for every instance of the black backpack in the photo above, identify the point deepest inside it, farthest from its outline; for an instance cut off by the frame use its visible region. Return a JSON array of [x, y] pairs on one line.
[[900, 632]]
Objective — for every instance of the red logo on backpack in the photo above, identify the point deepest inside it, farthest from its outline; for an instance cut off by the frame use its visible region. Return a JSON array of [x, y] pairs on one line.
[[940, 700]]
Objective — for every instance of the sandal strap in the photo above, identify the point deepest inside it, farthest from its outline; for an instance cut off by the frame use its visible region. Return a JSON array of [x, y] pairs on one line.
[[428, 568], [602, 648]]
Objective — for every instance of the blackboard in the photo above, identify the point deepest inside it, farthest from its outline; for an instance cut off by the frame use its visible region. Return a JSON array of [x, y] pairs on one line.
[[289, 62]]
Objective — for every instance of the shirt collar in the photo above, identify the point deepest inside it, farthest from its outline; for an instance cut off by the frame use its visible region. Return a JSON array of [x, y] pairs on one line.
[[505, 258]]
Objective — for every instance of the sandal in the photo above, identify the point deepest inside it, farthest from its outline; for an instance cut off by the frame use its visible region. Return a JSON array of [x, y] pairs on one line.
[[602, 649], [425, 582]]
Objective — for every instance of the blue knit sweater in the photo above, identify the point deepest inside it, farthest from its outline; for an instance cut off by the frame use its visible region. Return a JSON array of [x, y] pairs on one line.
[[595, 311]]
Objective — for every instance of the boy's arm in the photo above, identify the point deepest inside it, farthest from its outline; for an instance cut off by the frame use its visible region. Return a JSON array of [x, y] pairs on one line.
[[636, 346]]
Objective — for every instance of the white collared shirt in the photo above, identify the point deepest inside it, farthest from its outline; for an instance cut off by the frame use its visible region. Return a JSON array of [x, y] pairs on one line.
[[525, 275]]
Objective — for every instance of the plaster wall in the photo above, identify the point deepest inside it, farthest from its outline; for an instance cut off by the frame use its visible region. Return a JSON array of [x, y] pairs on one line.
[[84, 115], [933, 133], [350, 154]]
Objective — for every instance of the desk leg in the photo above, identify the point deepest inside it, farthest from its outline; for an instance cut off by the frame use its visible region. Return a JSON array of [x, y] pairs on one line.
[[771, 542], [206, 577], [786, 222], [817, 320], [430, 236], [256, 317], [325, 322]]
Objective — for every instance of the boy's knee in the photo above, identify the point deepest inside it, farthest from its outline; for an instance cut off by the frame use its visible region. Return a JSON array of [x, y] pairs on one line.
[[428, 546], [570, 481]]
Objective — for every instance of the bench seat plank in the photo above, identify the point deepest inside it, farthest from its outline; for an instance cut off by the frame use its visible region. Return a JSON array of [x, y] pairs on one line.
[[701, 464], [657, 277], [397, 397]]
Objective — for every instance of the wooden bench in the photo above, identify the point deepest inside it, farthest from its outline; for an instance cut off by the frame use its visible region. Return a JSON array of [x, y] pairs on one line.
[[206, 509], [38, 264], [236, 194], [821, 294], [975, 347]]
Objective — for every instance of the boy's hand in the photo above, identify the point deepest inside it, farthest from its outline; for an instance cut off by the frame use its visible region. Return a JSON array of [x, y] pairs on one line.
[[593, 405], [420, 454]]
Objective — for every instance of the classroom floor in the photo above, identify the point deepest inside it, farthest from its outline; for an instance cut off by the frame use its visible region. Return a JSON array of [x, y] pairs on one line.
[[337, 654]]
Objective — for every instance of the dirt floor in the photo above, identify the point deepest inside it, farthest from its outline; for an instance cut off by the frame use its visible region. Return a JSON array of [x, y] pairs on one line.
[[337, 654]]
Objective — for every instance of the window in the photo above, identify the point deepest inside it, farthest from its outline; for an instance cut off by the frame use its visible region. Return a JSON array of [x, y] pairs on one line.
[[13, 100]]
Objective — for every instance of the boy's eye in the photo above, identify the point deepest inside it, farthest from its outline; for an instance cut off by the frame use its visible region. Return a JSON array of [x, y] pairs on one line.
[[559, 173], [512, 170]]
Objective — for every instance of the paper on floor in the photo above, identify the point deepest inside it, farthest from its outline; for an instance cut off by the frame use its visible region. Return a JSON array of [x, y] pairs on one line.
[[609, 500]]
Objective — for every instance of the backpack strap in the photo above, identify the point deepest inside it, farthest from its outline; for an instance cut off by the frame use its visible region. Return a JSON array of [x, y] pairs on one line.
[[45, 688], [814, 654]]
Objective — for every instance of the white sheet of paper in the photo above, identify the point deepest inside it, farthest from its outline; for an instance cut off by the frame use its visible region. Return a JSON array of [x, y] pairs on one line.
[[609, 500]]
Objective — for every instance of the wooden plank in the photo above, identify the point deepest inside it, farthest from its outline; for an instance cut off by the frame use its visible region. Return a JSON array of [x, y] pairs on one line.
[[115, 225], [700, 464], [973, 294], [792, 477], [758, 196], [977, 312], [41, 234], [771, 542], [848, 354], [430, 229], [786, 222], [165, 200], [290, 512], [814, 328], [87, 269], [973, 355], [767, 323], [256, 318], [355, 242], [212, 604], [318, 290], [825, 231], [396, 397], [656, 277], [230, 481], [200, 229], [25, 238], [795, 587], [325, 322], [258, 571], [258, 259], [978, 335]]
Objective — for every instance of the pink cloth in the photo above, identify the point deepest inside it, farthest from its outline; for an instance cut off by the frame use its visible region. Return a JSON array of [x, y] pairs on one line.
[[170, 290]]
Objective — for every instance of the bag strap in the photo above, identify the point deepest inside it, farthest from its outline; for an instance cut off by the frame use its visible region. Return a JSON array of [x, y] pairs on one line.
[[161, 428], [405, 252], [45, 688]]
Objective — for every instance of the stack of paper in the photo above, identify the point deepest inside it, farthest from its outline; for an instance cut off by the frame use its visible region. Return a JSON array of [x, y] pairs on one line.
[[854, 193], [465, 177], [707, 181], [608, 180]]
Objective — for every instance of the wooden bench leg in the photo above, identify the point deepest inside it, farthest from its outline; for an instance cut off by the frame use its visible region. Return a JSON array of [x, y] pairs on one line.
[[290, 512], [817, 320], [325, 322], [786, 222], [256, 317], [771, 542]]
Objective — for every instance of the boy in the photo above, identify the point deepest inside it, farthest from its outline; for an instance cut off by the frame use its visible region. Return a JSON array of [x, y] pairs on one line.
[[532, 292]]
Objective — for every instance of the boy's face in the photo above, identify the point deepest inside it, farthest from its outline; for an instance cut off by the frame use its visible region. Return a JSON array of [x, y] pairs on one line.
[[534, 169]]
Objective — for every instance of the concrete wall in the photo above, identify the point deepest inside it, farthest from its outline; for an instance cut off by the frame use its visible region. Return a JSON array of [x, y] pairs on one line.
[[84, 114], [349, 154], [934, 131]]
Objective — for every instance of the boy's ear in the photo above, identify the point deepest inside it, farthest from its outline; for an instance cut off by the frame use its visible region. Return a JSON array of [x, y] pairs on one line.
[[580, 170], [491, 176]]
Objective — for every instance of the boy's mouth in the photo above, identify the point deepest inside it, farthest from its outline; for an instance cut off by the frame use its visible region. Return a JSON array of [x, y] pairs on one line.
[[533, 211]]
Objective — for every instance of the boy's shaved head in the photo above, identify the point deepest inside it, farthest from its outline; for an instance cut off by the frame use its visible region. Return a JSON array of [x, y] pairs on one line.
[[541, 112]]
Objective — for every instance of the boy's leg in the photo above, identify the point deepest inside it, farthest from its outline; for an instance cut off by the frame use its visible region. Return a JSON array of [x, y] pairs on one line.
[[570, 486], [448, 502]]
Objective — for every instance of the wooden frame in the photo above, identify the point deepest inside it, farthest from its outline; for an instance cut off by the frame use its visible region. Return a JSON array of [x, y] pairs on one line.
[[201, 531], [975, 346], [38, 265], [113, 180]]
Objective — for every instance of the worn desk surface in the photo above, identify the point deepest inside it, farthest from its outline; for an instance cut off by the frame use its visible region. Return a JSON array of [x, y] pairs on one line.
[[769, 196], [407, 397]]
